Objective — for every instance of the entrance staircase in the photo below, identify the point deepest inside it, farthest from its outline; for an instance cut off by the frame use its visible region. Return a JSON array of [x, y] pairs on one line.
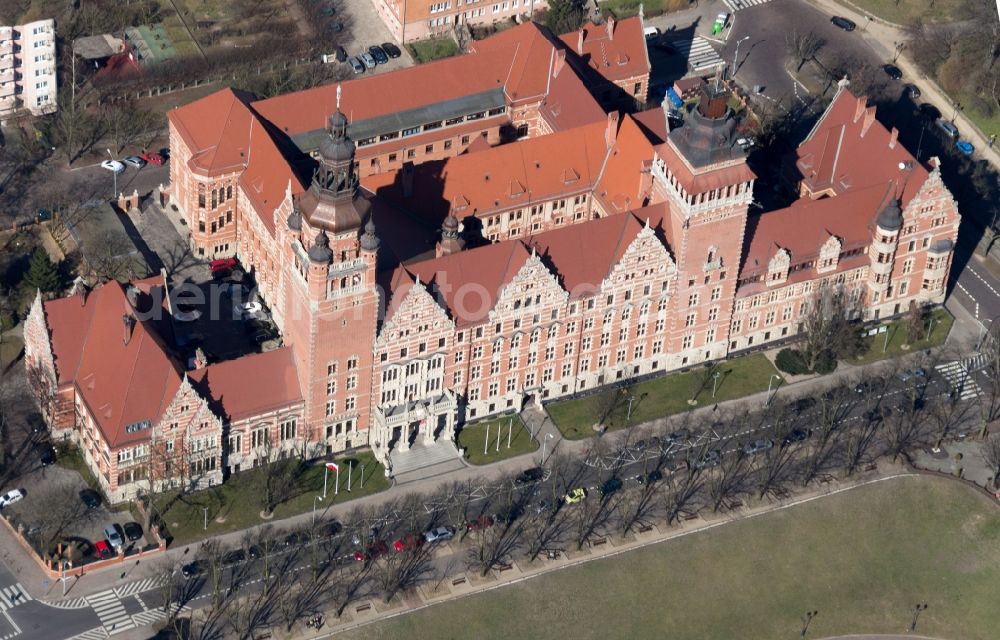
[[425, 461]]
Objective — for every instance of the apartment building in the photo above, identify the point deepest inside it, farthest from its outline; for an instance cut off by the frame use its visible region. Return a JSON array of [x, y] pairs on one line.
[[28, 68]]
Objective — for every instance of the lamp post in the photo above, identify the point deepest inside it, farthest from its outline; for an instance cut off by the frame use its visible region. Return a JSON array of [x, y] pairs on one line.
[[737, 54], [315, 500], [958, 107], [545, 441], [806, 620], [917, 609], [204, 510], [631, 399], [715, 382], [770, 381], [114, 173]]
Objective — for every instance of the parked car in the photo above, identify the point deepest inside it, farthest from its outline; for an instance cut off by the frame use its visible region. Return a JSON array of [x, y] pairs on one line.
[[135, 161], [375, 550], [368, 60], [234, 557], [575, 496], [804, 404], [965, 147], [46, 454], [843, 23], [949, 129], [912, 91], [892, 71], [610, 486], [328, 10], [12, 496], [103, 550], [678, 436], [336, 27], [912, 373], [746, 143], [795, 435], [439, 534], [929, 111], [409, 542], [391, 50], [710, 459], [113, 532], [113, 165], [481, 523], [90, 498], [248, 308], [529, 476], [153, 158], [193, 569], [356, 65], [222, 264], [133, 531], [758, 446], [293, 539], [341, 54], [381, 57], [255, 551], [653, 476]]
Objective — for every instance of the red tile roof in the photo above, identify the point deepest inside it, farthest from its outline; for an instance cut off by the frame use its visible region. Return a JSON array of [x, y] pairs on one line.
[[569, 104], [516, 174], [702, 181], [217, 130], [615, 49], [621, 185], [267, 176], [120, 383], [251, 385], [653, 123]]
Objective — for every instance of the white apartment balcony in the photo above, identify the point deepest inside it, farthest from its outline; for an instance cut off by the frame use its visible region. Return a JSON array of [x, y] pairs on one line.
[[6, 46], [6, 62]]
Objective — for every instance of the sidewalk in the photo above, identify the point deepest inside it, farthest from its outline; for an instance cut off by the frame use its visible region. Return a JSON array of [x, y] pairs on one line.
[[964, 332]]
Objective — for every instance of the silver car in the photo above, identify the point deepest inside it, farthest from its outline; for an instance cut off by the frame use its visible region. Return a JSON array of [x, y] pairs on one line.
[[368, 59], [357, 65], [439, 534]]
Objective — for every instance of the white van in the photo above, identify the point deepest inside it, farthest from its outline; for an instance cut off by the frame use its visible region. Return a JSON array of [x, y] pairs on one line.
[[651, 32]]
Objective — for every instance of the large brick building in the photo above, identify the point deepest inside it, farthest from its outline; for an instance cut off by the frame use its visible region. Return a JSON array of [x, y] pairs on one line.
[[466, 281]]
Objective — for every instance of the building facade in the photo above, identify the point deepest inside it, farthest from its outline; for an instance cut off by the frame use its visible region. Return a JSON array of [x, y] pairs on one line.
[[28, 68], [414, 300], [410, 20]]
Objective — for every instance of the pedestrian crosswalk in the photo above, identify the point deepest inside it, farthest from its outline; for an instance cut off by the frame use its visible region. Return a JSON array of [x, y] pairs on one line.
[[97, 633], [111, 612], [957, 375], [75, 603], [151, 616], [13, 595], [139, 586], [736, 5], [699, 53], [977, 362]]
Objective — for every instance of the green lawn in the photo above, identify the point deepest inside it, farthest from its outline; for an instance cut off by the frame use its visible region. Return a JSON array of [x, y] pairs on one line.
[[862, 559], [473, 436], [662, 396], [906, 12], [942, 321], [434, 49], [628, 8], [238, 500]]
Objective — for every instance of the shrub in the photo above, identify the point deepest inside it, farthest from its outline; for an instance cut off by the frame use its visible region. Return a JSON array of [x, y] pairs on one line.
[[825, 363], [791, 361]]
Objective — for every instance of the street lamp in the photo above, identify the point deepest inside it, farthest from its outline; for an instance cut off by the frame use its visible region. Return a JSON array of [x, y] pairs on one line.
[[917, 608], [715, 382], [628, 416], [770, 381], [545, 441], [806, 619], [114, 173], [737, 54], [205, 511], [315, 500]]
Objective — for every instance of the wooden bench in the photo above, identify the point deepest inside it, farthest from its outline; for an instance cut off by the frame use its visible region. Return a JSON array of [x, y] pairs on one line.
[[363, 607], [826, 478], [689, 517], [599, 542], [645, 528], [504, 567], [871, 466], [458, 581], [735, 504]]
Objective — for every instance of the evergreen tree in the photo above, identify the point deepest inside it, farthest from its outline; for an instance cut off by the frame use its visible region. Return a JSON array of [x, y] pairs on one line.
[[564, 16], [42, 273]]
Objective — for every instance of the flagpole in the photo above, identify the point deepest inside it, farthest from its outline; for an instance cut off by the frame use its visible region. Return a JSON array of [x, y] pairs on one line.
[[486, 444], [349, 467], [336, 485], [510, 428], [326, 471]]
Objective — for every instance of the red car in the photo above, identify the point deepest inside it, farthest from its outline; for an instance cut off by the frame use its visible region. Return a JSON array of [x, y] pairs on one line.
[[222, 264], [153, 158], [103, 550], [479, 524], [375, 550], [408, 543]]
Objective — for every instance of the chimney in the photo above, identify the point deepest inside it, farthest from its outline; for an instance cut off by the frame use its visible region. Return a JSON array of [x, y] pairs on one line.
[[859, 108], [80, 290], [611, 133], [132, 294], [579, 41], [407, 178], [611, 27], [868, 121], [893, 136], [128, 322], [200, 361], [559, 63]]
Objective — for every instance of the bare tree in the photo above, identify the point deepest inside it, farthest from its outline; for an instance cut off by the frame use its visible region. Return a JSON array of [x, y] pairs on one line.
[[803, 46], [990, 450], [828, 330], [56, 510], [125, 122]]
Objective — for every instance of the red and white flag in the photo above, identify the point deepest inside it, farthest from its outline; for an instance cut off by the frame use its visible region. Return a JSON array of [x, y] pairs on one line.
[[332, 466]]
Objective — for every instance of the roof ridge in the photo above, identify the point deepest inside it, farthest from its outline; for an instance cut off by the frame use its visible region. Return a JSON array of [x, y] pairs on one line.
[[618, 244]]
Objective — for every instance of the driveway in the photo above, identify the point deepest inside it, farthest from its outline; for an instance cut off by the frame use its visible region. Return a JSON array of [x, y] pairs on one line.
[[365, 28]]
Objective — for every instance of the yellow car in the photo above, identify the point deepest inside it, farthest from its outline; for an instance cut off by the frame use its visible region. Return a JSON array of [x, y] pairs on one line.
[[575, 496]]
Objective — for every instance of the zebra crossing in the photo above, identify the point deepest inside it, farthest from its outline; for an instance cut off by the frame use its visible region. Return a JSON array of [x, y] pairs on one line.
[[97, 633], [139, 586], [151, 616], [699, 53], [13, 595], [75, 603], [736, 5], [977, 362], [957, 375], [111, 612]]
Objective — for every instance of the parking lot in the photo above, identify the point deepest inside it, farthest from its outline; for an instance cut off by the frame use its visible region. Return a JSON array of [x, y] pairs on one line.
[[52, 511]]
